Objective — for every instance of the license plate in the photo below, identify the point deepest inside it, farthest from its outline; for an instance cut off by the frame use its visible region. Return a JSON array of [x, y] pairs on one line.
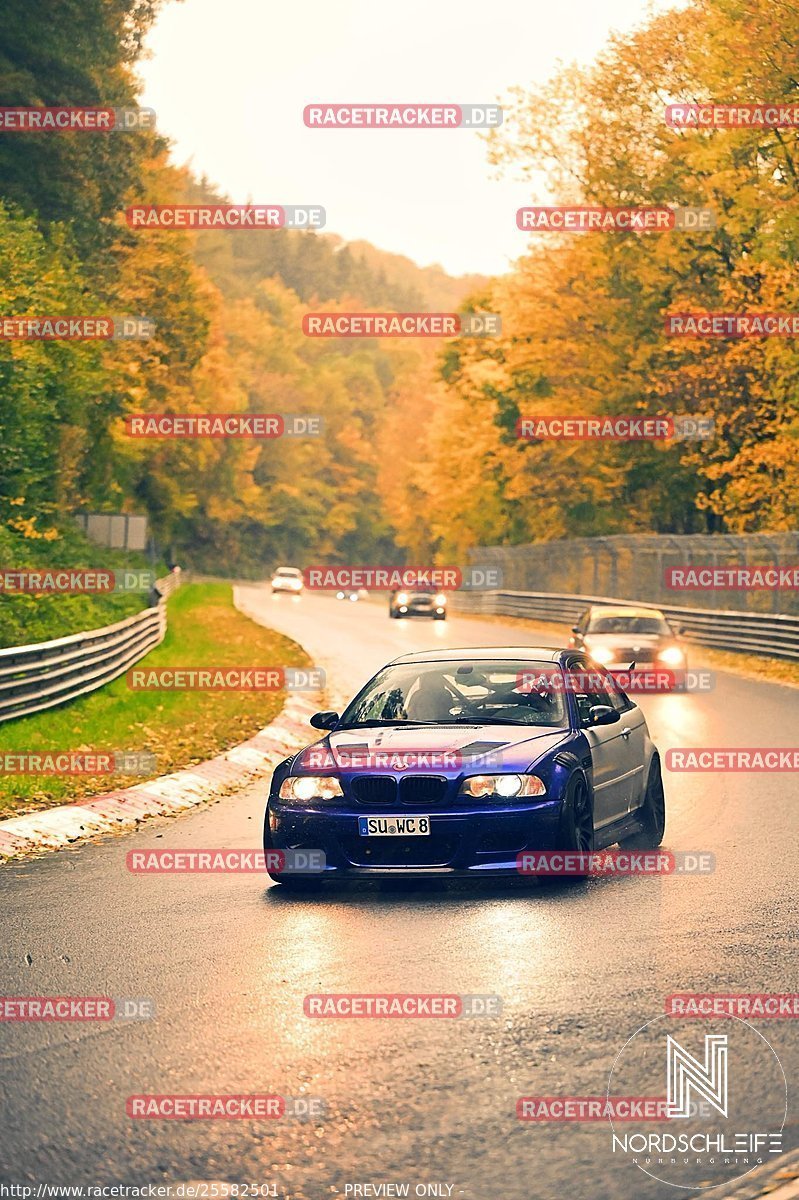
[[393, 826]]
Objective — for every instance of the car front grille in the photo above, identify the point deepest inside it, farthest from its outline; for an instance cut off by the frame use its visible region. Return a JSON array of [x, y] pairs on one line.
[[410, 790], [374, 789], [627, 654], [422, 789]]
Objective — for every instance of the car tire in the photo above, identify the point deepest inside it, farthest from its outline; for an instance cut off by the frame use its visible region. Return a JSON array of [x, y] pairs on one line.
[[651, 814], [577, 802], [576, 825], [440, 617], [392, 614]]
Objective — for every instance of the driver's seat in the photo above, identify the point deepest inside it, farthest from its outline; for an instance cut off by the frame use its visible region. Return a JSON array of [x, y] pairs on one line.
[[431, 701]]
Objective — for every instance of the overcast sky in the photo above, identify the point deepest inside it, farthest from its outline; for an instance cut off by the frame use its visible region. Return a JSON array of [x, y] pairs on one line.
[[229, 80]]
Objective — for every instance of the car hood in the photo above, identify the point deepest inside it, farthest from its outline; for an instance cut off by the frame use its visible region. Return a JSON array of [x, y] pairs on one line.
[[456, 748]]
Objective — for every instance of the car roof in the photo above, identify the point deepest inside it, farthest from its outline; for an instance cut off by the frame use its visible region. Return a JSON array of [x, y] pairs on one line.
[[288, 571], [624, 610], [482, 654]]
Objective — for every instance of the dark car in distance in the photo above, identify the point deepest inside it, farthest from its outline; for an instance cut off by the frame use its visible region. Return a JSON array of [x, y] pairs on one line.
[[418, 602]]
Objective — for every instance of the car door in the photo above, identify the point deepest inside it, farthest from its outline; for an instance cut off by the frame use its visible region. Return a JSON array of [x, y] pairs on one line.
[[634, 730], [610, 750]]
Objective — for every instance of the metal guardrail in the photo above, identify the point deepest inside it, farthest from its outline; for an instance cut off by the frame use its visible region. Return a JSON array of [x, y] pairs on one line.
[[754, 633], [636, 566], [34, 678]]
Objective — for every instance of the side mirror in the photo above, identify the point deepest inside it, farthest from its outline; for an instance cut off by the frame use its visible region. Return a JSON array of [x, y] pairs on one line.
[[325, 720], [603, 714], [575, 628], [678, 630]]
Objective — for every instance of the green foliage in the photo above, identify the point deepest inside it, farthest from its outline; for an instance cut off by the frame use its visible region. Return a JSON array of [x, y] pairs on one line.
[[26, 619], [72, 52]]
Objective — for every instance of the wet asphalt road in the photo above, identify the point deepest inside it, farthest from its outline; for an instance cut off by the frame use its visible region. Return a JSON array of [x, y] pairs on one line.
[[227, 962]]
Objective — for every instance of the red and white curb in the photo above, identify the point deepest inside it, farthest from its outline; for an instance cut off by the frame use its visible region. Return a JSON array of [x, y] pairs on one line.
[[54, 828]]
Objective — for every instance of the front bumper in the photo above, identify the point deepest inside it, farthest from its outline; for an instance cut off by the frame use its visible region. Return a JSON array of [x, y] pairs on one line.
[[462, 841]]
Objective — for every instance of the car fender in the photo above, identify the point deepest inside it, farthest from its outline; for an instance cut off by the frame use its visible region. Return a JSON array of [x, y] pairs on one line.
[[651, 752], [580, 751], [562, 763], [280, 772]]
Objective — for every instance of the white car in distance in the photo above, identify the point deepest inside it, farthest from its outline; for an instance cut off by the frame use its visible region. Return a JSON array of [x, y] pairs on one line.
[[287, 579]]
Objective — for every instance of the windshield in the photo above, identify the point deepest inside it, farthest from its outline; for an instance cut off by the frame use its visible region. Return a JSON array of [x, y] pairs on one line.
[[462, 692], [628, 625]]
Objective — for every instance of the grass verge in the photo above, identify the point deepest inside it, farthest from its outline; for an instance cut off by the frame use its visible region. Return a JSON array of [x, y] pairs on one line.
[[179, 728]]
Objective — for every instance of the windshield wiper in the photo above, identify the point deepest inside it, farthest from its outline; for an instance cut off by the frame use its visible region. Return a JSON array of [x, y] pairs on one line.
[[374, 723], [477, 721]]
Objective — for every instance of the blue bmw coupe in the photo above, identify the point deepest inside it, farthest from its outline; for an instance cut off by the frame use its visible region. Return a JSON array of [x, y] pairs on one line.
[[455, 762]]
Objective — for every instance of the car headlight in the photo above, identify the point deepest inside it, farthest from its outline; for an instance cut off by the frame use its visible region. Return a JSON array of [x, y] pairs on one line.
[[441, 598], [672, 656], [310, 787], [506, 786], [296, 584], [402, 598], [601, 654]]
